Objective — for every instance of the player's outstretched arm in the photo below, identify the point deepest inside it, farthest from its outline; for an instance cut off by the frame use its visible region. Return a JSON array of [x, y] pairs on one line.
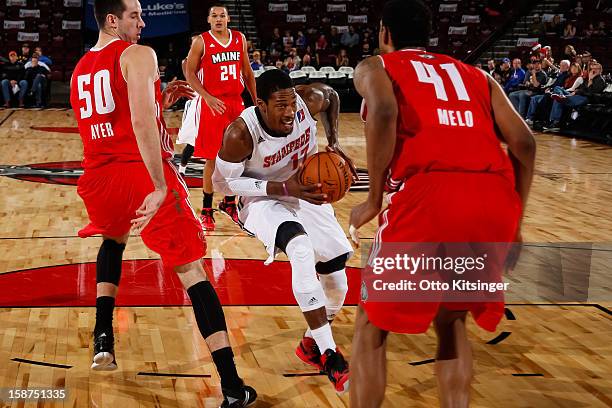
[[139, 68], [230, 164], [324, 99], [373, 83], [516, 134], [194, 57]]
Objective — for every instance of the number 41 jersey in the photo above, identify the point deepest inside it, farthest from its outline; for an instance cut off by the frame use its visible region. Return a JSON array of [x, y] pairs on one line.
[[99, 98], [445, 121]]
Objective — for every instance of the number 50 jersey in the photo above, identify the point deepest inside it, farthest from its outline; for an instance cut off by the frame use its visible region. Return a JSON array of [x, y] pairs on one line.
[[445, 121], [99, 98]]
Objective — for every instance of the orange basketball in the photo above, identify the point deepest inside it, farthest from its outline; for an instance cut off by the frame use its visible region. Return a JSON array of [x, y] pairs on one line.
[[331, 171]]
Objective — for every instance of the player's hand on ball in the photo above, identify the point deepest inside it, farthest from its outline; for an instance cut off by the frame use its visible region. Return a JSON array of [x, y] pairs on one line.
[[216, 105], [339, 151], [175, 91], [306, 193], [360, 215], [148, 209]]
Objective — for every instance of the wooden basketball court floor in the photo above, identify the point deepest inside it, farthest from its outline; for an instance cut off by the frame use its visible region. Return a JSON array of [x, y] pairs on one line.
[[544, 355]]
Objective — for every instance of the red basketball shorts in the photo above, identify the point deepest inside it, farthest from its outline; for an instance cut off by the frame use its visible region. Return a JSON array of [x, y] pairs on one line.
[[114, 192], [445, 207], [211, 126]]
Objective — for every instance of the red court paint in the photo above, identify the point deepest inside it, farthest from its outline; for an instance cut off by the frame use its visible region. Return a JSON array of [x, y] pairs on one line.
[[148, 283]]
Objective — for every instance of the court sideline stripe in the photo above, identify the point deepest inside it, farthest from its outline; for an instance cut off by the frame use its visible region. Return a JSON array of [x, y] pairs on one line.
[[41, 363], [5, 119]]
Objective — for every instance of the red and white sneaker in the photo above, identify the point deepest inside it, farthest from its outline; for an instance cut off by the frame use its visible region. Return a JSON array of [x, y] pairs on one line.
[[337, 369], [207, 219], [229, 209], [309, 352]]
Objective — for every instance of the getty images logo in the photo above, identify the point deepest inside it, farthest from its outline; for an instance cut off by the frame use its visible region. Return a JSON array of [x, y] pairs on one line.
[[164, 7]]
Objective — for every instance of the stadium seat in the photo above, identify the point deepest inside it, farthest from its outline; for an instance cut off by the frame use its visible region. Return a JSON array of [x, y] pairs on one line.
[[317, 76], [337, 79], [269, 67], [327, 69], [346, 70], [308, 70], [299, 77]]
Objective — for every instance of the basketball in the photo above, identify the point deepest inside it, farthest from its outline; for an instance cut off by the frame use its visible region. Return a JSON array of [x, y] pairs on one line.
[[331, 171]]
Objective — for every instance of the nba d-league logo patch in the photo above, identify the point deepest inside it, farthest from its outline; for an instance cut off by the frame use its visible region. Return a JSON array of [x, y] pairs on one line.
[[301, 116]]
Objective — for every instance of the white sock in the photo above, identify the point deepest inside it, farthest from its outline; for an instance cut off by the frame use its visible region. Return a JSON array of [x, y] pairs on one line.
[[323, 337], [182, 169]]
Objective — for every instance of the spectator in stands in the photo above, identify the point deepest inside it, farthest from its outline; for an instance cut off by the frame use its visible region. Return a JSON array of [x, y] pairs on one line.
[[288, 41], [555, 27], [594, 85], [342, 59], [36, 75], [276, 45], [306, 60], [549, 67], [42, 58], [569, 31], [13, 82], [366, 51], [504, 70], [367, 38], [534, 83], [279, 64], [296, 57], [544, 100], [572, 82], [264, 58], [491, 66], [586, 63], [350, 39], [25, 54], [588, 31], [29, 63], [516, 78], [321, 44], [290, 64], [256, 63], [578, 9], [537, 26], [334, 39], [300, 40], [570, 52]]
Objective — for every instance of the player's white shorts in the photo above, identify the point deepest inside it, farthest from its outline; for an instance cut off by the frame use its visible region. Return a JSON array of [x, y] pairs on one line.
[[191, 122], [262, 216]]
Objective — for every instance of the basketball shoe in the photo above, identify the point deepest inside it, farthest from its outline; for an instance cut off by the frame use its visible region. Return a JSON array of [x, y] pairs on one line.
[[229, 209], [337, 369], [207, 219], [104, 352], [309, 352], [242, 397]]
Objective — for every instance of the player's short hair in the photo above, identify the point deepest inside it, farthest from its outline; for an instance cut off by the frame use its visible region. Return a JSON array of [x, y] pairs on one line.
[[102, 8], [408, 21], [271, 81], [218, 5]]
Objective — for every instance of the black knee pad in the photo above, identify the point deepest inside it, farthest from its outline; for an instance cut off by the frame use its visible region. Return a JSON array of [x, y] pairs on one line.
[[286, 232], [333, 265], [108, 265]]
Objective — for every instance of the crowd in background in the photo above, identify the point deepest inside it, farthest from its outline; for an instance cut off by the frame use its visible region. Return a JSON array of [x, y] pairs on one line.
[[290, 50], [24, 77], [542, 90]]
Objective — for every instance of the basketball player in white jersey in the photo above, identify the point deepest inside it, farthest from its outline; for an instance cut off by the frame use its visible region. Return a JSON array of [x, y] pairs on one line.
[[259, 161], [189, 124]]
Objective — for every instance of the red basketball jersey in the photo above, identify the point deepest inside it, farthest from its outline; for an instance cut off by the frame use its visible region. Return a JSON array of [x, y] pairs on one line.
[[221, 65], [99, 98], [445, 120]]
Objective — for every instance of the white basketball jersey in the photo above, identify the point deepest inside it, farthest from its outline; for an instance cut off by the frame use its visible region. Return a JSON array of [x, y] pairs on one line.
[[277, 158]]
